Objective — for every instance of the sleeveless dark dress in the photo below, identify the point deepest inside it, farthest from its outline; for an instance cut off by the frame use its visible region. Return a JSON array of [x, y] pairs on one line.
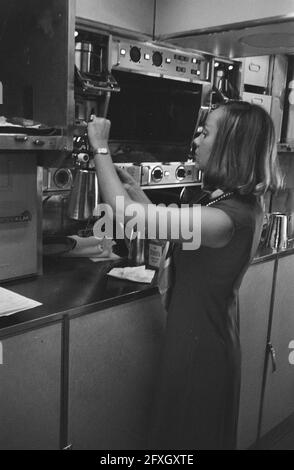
[[198, 393]]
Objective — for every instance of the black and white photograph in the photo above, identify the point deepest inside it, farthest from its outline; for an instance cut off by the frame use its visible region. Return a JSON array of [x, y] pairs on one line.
[[147, 228]]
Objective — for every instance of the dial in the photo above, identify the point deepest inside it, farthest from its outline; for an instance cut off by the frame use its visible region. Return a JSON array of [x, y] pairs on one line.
[[157, 59], [157, 174], [135, 54], [180, 173]]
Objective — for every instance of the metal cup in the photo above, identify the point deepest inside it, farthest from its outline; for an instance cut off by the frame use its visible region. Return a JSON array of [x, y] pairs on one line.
[[84, 195], [276, 236], [136, 254]]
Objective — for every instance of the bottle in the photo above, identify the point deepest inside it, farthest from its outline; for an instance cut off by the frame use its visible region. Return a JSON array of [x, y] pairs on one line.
[[154, 253]]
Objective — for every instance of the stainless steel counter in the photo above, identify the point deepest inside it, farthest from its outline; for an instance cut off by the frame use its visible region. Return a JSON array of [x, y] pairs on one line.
[[72, 286]]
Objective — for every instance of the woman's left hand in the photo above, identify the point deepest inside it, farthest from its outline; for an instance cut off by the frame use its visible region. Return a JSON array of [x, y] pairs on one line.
[[98, 132]]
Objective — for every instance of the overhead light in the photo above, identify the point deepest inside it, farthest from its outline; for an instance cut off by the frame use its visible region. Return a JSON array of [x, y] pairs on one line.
[[216, 64]]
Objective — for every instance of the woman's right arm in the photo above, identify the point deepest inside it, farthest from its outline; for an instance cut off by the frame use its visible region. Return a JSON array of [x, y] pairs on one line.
[[132, 188]]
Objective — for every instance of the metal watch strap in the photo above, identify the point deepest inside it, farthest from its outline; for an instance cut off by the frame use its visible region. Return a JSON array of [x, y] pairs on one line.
[[101, 151]]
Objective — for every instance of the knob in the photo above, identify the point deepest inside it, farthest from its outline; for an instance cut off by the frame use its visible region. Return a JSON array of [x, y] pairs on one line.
[[39, 142], [180, 173], [21, 138], [157, 59], [157, 174], [135, 54]]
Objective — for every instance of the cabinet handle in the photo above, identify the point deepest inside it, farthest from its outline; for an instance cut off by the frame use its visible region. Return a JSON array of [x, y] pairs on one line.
[[258, 101], [254, 67], [25, 216], [68, 447], [272, 352]]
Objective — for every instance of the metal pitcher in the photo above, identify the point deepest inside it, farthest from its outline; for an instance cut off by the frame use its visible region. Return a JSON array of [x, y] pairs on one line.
[[276, 236], [136, 249], [84, 195]]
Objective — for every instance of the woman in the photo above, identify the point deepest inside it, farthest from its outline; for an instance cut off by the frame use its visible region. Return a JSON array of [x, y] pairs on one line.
[[197, 400]]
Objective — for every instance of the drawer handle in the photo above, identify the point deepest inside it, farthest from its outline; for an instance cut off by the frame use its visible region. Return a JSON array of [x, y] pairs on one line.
[[25, 216], [254, 67], [272, 352]]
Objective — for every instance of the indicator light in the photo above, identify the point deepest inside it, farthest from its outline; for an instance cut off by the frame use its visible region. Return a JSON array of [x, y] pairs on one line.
[[194, 60], [231, 67], [123, 52], [146, 56], [168, 60], [216, 64], [198, 72]]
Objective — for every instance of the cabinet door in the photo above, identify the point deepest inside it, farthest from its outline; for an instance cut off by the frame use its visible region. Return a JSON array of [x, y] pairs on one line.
[[114, 355], [134, 15], [256, 71], [174, 16], [254, 297], [279, 391], [262, 100], [30, 390]]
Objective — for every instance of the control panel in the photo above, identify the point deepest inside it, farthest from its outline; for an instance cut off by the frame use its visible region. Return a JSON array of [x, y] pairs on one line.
[[158, 174], [157, 60], [178, 173]]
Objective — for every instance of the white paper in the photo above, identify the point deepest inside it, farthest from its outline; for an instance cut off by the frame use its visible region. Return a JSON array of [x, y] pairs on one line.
[[112, 257], [10, 302], [136, 274]]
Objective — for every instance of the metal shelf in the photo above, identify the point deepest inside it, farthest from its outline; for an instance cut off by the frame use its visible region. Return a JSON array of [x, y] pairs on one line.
[[33, 142], [176, 185]]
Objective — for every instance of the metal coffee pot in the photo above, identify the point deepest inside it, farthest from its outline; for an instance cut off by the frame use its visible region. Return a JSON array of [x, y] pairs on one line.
[[276, 234], [84, 194]]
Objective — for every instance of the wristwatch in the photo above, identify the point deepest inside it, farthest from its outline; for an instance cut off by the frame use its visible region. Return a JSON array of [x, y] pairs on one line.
[[101, 151]]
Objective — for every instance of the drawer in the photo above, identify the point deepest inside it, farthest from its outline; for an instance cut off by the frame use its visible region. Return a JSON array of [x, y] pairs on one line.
[[256, 71], [262, 100]]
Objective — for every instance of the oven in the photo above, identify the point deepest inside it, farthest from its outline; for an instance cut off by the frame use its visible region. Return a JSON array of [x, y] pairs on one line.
[[153, 117]]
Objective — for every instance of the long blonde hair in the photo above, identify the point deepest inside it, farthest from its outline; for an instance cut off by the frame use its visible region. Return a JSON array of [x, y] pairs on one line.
[[244, 154]]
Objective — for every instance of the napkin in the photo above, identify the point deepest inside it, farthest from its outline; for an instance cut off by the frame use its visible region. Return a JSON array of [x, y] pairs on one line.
[[91, 247], [135, 274], [10, 302]]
